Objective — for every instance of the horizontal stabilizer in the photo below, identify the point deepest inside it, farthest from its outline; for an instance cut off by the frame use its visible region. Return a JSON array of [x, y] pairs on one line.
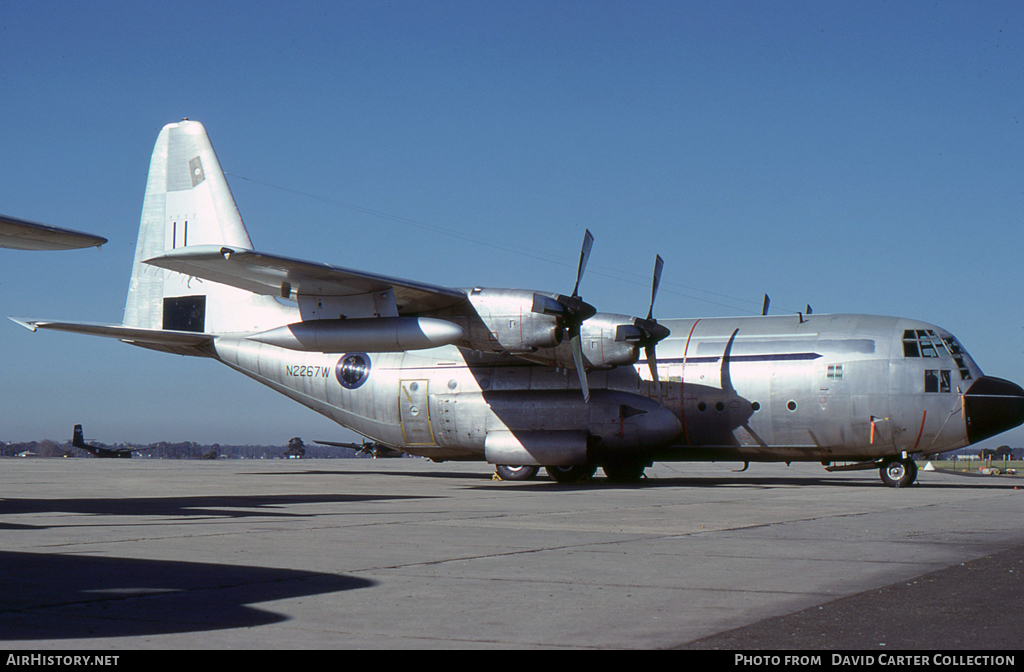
[[274, 275], [152, 337]]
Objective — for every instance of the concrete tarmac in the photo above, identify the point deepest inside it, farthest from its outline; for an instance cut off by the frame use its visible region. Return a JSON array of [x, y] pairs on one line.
[[407, 554]]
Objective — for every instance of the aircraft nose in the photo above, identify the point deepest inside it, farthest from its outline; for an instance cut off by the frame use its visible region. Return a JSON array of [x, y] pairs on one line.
[[991, 406]]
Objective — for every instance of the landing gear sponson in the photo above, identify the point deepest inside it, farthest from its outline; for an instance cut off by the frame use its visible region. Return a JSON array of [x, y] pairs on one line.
[[896, 472], [625, 472]]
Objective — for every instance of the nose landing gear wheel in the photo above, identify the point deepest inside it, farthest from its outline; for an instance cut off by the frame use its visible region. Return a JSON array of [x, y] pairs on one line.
[[898, 473]]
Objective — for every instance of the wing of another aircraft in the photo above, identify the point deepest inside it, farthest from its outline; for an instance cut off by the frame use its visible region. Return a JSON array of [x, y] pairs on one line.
[[274, 275], [21, 234]]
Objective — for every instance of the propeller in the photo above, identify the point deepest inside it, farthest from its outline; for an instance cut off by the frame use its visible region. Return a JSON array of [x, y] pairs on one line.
[[574, 312], [651, 331]]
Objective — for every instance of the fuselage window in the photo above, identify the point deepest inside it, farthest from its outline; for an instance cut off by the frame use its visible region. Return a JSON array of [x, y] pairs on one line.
[[835, 371], [936, 380]]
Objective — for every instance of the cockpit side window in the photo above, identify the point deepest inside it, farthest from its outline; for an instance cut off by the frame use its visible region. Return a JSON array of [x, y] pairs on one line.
[[926, 343], [936, 381], [958, 357]]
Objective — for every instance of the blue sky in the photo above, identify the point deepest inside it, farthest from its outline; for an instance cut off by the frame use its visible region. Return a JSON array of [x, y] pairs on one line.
[[856, 156]]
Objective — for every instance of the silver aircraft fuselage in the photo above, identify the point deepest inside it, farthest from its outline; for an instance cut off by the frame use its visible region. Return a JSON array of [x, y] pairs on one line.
[[781, 388]]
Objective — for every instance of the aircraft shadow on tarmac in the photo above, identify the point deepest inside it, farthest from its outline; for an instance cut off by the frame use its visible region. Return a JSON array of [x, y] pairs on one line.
[[45, 596], [749, 482], [192, 508], [544, 484], [387, 471]]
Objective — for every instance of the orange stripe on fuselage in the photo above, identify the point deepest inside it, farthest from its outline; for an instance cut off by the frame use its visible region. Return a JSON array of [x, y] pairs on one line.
[[924, 414]]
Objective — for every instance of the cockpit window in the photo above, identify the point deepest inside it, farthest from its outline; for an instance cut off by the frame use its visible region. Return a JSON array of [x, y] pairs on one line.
[[923, 343], [926, 343]]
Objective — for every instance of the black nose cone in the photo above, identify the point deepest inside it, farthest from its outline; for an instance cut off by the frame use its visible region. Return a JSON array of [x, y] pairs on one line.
[[991, 406]]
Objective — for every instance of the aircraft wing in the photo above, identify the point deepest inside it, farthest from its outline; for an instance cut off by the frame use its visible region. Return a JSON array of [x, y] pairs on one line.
[[21, 234], [274, 275]]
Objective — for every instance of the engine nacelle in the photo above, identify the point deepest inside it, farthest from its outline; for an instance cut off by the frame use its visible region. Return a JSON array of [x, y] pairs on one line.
[[514, 320], [606, 339], [609, 340]]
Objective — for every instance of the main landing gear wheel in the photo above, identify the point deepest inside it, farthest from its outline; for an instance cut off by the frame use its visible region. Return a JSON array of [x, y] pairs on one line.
[[898, 472], [574, 474], [508, 472], [624, 472]]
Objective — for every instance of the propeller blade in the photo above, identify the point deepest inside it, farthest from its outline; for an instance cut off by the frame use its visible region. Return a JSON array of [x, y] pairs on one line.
[[588, 242], [652, 362], [653, 332], [577, 358], [574, 310], [659, 263]]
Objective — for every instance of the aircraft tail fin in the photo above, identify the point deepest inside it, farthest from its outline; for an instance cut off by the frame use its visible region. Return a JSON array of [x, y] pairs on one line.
[[188, 202], [78, 438]]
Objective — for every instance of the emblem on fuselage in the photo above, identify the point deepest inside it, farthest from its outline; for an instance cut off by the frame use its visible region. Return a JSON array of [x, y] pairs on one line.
[[353, 369]]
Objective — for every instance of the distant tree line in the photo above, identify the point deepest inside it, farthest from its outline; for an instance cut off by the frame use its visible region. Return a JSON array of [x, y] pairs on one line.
[[187, 450], [1000, 453]]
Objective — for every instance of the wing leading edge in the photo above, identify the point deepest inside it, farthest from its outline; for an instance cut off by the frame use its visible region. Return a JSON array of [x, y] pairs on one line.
[[274, 275]]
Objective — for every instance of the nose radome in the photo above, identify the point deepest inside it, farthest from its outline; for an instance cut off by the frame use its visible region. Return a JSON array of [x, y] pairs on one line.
[[991, 406]]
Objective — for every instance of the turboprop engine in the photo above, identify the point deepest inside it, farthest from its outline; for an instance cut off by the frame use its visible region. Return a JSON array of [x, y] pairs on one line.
[[521, 321], [607, 340]]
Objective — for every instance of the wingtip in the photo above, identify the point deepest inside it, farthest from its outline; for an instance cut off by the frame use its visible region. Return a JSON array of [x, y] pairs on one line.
[[28, 324]]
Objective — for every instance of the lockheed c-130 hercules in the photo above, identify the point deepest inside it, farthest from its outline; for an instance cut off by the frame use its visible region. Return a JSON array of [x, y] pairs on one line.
[[525, 379]]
